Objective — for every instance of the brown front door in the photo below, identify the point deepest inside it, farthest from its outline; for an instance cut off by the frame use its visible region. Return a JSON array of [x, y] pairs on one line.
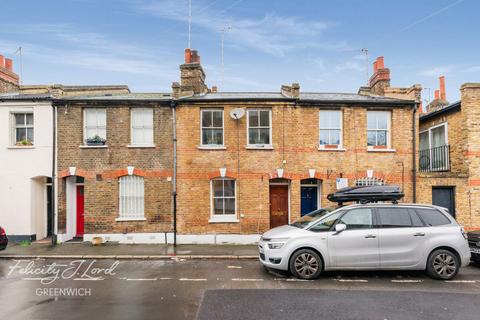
[[278, 205]]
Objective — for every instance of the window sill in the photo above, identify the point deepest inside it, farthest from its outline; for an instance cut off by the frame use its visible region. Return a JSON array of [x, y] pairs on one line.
[[21, 147], [331, 149], [84, 146], [265, 147], [223, 220], [382, 150], [133, 146], [211, 147], [130, 219]]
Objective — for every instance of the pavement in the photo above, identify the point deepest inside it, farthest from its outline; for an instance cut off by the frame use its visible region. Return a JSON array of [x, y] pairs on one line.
[[85, 250], [226, 289]]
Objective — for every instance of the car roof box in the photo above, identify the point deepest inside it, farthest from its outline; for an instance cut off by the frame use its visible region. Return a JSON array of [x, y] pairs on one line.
[[367, 194]]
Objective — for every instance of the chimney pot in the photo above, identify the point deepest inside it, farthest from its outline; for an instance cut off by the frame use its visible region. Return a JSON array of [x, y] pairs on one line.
[[437, 94], [188, 55], [375, 67], [9, 64], [214, 88], [195, 57], [443, 95], [380, 63], [2, 61]]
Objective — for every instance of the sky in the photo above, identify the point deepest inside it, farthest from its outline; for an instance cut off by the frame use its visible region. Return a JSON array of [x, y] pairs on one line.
[[267, 43]]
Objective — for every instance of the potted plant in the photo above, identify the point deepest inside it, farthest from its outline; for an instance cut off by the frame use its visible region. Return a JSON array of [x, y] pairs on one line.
[[24, 143], [96, 141]]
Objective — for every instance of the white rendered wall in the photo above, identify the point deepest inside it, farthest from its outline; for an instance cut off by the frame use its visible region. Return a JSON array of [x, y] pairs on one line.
[[19, 203]]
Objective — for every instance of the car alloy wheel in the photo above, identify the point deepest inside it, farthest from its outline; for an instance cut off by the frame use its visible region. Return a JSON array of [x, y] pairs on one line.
[[306, 264], [444, 264]]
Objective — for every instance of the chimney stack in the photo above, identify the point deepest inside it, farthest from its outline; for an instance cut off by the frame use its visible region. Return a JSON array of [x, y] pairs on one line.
[[9, 80], [380, 78], [192, 76], [443, 95]]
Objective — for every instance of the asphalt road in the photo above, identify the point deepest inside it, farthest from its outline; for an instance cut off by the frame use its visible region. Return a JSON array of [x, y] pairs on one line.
[[175, 289]]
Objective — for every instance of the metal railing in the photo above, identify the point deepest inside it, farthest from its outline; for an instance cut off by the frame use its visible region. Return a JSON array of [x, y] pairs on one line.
[[435, 159]]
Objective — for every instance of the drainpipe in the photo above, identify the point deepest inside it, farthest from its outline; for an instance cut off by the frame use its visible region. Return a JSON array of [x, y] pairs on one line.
[[173, 105], [54, 171], [414, 155]]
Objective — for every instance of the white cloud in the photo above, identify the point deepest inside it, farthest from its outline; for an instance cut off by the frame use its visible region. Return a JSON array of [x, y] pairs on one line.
[[436, 71], [473, 69], [351, 66], [271, 34]]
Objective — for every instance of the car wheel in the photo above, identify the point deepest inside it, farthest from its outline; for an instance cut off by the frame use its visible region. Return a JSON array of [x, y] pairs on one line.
[[306, 264], [442, 264]]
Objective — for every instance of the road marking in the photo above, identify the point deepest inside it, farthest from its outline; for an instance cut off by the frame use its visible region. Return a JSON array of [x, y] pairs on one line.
[[407, 281], [166, 278], [350, 280], [252, 280], [189, 279], [234, 267], [297, 280], [88, 279], [461, 281], [141, 279]]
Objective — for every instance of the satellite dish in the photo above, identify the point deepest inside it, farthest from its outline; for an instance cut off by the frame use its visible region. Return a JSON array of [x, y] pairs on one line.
[[237, 113]]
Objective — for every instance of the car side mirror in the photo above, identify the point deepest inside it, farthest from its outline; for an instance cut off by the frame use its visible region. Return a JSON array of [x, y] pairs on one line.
[[339, 227]]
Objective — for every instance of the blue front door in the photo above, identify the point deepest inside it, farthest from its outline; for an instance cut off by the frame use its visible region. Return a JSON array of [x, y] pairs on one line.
[[309, 199]]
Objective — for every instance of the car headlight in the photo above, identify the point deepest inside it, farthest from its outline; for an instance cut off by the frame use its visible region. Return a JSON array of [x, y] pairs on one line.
[[277, 243]]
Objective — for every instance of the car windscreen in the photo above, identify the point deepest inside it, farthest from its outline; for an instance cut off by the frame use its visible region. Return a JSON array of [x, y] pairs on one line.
[[311, 217]]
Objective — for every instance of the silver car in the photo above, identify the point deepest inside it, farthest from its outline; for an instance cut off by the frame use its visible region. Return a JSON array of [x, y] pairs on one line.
[[368, 237]]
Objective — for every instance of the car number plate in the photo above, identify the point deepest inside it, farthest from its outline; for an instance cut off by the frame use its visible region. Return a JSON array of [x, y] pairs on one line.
[[475, 250]]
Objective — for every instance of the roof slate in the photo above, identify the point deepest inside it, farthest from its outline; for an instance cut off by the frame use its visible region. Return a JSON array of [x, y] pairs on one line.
[[18, 96]]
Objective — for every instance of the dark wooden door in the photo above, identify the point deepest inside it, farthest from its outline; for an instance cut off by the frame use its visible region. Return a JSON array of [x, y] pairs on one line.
[[278, 205], [80, 212], [444, 197]]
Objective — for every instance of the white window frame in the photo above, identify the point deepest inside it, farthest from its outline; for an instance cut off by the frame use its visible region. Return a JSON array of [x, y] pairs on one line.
[[131, 211], [13, 127], [366, 181], [202, 127], [261, 146], [143, 127], [222, 217], [430, 136], [97, 127], [389, 129], [322, 146]]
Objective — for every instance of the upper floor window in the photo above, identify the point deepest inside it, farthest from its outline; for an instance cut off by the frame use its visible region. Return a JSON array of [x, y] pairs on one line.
[[131, 198], [434, 153], [223, 198], [22, 133], [95, 126], [330, 128], [259, 124], [142, 126], [212, 127], [378, 129]]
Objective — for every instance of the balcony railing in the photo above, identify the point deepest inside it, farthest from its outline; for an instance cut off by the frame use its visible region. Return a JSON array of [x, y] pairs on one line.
[[435, 159]]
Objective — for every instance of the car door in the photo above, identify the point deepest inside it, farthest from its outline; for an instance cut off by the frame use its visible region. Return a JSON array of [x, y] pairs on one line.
[[357, 246], [402, 237]]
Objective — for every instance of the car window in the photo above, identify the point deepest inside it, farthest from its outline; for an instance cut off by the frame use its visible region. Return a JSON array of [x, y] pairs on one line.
[[394, 218], [432, 217], [358, 219], [326, 223]]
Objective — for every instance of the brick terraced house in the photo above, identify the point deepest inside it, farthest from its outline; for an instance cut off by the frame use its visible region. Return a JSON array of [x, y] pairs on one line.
[[449, 154], [250, 161], [115, 167]]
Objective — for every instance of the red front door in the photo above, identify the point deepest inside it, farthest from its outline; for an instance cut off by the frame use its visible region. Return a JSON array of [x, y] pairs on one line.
[[278, 205], [80, 205]]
